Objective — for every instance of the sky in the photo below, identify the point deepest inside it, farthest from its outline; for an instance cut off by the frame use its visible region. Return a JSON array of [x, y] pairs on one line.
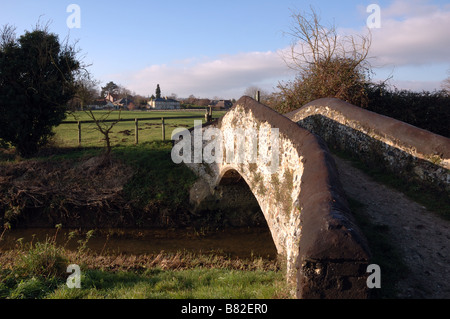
[[218, 48]]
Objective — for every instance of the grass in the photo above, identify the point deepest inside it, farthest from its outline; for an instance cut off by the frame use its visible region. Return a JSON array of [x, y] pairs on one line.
[[156, 179], [172, 284], [37, 271], [197, 283], [123, 133]]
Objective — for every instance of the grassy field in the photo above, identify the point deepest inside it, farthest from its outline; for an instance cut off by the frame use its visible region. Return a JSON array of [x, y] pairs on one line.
[[38, 271], [123, 133]]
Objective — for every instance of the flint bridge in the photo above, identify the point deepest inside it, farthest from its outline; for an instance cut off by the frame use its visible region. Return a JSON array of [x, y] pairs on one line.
[[325, 253]]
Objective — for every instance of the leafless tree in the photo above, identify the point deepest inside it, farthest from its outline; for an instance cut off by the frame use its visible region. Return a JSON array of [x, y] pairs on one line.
[[446, 83], [104, 125], [86, 91], [7, 36], [327, 64], [314, 43]]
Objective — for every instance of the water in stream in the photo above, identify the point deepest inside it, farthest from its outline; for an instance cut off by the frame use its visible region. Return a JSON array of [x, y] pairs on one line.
[[240, 242]]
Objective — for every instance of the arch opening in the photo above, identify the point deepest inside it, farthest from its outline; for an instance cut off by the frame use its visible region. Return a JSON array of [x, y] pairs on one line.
[[232, 208]]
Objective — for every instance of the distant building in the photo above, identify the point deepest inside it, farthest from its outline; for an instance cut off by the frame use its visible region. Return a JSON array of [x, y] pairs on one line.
[[125, 103], [222, 104], [163, 104], [101, 104], [111, 97]]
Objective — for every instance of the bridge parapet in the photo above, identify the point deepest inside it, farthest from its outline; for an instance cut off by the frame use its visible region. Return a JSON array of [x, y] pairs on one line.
[[294, 179], [409, 152]]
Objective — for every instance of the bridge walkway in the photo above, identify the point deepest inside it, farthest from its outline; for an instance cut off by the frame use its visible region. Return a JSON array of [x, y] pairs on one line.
[[422, 237]]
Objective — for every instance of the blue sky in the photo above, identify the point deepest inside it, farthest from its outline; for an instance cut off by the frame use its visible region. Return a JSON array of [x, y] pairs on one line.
[[219, 48]]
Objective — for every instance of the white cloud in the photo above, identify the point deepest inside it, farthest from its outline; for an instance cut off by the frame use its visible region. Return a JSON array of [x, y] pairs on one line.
[[226, 76], [412, 33]]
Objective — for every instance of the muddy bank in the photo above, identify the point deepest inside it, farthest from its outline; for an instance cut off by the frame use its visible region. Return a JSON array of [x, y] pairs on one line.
[[45, 193], [87, 193]]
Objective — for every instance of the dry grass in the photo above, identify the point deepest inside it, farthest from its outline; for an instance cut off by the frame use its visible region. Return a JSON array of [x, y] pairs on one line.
[[60, 189]]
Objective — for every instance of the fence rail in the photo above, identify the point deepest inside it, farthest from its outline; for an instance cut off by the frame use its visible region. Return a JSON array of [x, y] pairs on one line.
[[208, 117], [133, 119]]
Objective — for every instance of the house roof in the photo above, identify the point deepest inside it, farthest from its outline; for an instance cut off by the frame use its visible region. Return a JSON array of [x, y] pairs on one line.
[[114, 96], [124, 100], [164, 100]]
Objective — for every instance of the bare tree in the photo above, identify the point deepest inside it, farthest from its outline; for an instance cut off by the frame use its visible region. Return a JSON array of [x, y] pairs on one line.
[[104, 125], [327, 64], [7, 36], [315, 44], [446, 83], [123, 92], [86, 91], [251, 91]]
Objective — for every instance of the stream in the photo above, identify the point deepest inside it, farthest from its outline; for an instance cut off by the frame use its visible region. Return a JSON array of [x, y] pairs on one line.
[[235, 242]]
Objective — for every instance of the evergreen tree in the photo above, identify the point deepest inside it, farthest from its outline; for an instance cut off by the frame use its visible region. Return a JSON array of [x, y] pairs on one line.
[[158, 92], [111, 88], [37, 79]]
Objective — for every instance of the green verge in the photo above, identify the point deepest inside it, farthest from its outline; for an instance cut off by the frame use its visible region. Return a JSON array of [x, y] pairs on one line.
[[37, 271], [156, 177]]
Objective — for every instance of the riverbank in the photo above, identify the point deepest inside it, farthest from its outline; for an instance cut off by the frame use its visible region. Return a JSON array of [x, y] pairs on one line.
[[130, 228], [138, 187], [38, 270]]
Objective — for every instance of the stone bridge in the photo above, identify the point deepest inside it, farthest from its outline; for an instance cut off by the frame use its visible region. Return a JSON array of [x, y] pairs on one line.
[[292, 176]]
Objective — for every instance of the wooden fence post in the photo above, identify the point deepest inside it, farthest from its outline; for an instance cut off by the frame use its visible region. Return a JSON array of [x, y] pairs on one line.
[[136, 129], [79, 134], [163, 130]]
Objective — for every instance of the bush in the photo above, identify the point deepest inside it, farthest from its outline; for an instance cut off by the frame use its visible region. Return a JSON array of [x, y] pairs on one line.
[[37, 75], [327, 64], [338, 77], [426, 110]]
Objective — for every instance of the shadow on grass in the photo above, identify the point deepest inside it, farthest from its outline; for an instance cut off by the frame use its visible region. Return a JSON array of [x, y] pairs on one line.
[[157, 178]]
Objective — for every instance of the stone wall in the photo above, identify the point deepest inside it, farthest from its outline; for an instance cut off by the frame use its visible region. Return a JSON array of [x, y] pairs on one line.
[[407, 151], [302, 201]]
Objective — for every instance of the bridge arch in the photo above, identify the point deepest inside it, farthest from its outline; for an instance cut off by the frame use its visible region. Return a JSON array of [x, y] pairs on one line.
[[299, 193]]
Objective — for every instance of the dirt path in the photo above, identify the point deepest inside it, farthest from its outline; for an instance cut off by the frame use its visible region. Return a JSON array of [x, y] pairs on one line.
[[423, 238]]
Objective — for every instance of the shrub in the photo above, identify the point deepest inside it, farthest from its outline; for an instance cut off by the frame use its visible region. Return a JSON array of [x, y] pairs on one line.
[[327, 65], [36, 81], [427, 110], [43, 259]]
